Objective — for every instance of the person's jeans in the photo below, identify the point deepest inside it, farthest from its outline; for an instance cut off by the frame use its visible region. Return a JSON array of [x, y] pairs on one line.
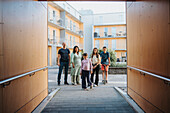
[[86, 74], [66, 65], [97, 75]]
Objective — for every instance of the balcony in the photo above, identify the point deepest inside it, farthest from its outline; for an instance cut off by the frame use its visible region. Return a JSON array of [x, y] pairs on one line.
[[56, 22], [74, 30], [57, 41], [70, 11], [53, 40], [117, 35]]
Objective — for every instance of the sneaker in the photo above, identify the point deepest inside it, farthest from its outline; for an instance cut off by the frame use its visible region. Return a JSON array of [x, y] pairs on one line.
[[58, 84], [106, 81], [66, 83], [78, 84], [73, 83], [85, 89], [94, 85], [91, 87]]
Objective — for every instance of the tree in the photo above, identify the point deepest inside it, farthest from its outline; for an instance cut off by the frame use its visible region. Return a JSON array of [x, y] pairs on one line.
[[112, 55]]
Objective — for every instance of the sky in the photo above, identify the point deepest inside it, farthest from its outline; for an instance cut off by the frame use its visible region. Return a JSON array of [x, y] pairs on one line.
[[99, 7]]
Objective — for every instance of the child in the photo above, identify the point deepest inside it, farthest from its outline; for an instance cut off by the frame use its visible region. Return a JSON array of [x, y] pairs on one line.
[[105, 63], [86, 69], [95, 62]]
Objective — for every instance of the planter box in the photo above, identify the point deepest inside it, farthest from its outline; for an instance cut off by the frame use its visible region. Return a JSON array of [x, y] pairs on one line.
[[112, 70]]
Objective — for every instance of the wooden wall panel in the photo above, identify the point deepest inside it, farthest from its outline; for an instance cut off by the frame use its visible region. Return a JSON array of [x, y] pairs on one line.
[[24, 49], [25, 90], [147, 36], [1, 99], [148, 49], [154, 90], [18, 93], [1, 44], [25, 42]]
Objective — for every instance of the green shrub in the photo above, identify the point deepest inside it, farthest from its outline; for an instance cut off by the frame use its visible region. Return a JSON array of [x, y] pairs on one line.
[[112, 55]]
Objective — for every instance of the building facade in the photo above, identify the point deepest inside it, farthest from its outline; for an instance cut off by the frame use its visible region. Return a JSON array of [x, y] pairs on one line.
[[64, 25], [113, 37], [105, 30]]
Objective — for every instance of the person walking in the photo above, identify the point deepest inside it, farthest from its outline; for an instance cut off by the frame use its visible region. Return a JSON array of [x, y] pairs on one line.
[[76, 65], [86, 69], [95, 58], [63, 61], [105, 63]]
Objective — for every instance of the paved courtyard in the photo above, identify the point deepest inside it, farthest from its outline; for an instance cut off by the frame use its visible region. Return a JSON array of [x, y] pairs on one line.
[[101, 99]]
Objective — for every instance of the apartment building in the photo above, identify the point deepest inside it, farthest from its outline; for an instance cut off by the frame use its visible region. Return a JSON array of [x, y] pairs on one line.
[[64, 25], [113, 37], [108, 29]]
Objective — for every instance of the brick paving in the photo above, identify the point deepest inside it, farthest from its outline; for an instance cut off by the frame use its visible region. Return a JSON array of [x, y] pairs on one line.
[[101, 99]]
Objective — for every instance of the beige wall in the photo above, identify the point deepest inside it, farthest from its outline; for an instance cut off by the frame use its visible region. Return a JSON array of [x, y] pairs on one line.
[[24, 49], [148, 49]]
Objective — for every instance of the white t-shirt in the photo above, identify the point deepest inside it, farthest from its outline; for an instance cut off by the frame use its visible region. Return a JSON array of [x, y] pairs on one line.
[[95, 59]]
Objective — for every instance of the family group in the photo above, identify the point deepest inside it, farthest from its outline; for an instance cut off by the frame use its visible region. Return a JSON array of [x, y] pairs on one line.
[[84, 66]]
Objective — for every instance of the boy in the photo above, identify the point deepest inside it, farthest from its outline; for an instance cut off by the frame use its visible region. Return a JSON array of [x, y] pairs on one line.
[[105, 63]]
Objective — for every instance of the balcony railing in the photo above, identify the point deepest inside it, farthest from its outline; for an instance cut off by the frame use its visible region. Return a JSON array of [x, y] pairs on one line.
[[117, 35], [53, 40], [56, 20], [74, 29], [69, 9]]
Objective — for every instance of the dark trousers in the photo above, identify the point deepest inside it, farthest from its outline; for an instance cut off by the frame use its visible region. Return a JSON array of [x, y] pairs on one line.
[[86, 74], [97, 75], [66, 65]]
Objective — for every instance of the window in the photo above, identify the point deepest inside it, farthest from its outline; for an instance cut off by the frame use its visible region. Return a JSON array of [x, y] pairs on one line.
[[100, 19], [66, 39], [114, 44], [97, 31], [105, 31], [54, 34], [48, 32], [70, 41], [97, 43], [74, 41], [54, 16], [74, 26], [66, 22], [106, 42], [70, 25], [114, 31]]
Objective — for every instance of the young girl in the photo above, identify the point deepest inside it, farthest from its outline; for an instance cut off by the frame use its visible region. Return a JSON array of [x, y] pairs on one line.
[[96, 65], [86, 69]]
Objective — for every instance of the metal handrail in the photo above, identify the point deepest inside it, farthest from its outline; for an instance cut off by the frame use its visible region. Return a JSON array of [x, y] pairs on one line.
[[22, 75], [148, 73]]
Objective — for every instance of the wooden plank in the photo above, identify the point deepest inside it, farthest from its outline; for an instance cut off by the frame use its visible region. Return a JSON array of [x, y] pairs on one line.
[[1, 44], [1, 100], [25, 49], [25, 90], [147, 36], [150, 90], [148, 49], [29, 107], [25, 40], [21, 90]]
